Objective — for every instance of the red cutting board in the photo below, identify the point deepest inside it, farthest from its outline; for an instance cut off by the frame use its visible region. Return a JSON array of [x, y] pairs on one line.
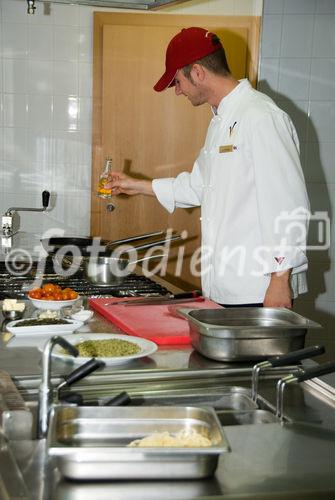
[[158, 323]]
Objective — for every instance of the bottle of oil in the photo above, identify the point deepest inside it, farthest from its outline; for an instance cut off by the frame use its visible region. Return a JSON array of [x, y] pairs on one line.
[[102, 191]]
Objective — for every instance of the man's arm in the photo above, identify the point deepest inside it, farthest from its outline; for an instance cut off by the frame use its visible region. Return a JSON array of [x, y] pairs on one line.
[[279, 293], [122, 183]]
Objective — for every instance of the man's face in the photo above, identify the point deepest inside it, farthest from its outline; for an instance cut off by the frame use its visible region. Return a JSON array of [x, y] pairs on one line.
[[189, 88]]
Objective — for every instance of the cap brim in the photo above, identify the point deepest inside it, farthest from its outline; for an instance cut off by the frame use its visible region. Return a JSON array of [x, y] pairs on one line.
[[167, 80]]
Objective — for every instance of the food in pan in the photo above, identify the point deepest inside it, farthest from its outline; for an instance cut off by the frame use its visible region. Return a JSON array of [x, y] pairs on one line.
[[183, 439], [49, 291], [106, 348]]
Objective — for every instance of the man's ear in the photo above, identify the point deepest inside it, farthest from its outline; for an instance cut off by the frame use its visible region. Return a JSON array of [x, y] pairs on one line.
[[198, 73]]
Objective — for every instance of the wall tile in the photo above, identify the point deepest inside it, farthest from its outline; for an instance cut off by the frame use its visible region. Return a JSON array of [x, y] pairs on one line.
[[14, 40], [322, 116], [14, 175], [65, 113], [70, 213], [39, 146], [296, 36], [273, 6], [85, 114], [14, 11], [65, 78], [85, 79], [85, 44], [15, 143], [1, 147], [1, 109], [294, 77], [66, 15], [36, 178], [40, 77], [15, 110], [271, 36], [85, 148], [320, 162], [299, 6], [40, 112], [66, 146], [298, 112], [325, 7], [40, 40], [322, 206], [66, 43], [268, 76], [86, 16], [15, 76], [322, 79], [324, 39], [72, 178]]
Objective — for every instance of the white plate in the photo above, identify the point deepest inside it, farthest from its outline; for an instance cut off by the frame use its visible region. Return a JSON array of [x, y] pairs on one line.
[[147, 348], [53, 305], [43, 329]]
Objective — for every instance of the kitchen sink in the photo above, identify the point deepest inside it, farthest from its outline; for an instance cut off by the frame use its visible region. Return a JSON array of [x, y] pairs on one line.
[[233, 406], [245, 417]]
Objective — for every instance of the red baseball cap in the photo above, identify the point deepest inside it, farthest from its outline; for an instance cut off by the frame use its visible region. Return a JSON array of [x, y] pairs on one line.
[[189, 45]]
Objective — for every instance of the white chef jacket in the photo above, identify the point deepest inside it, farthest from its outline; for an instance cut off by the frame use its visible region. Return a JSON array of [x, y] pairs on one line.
[[254, 205]]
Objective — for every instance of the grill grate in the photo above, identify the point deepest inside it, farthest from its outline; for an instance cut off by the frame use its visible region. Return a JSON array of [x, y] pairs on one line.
[[12, 286]]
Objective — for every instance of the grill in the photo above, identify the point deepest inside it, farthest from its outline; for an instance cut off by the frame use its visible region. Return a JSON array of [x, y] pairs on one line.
[[13, 286]]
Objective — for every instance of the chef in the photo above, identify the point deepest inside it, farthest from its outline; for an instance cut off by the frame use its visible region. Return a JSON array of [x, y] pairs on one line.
[[247, 179]]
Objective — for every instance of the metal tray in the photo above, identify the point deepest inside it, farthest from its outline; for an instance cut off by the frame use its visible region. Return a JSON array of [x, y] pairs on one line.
[[91, 442], [246, 333]]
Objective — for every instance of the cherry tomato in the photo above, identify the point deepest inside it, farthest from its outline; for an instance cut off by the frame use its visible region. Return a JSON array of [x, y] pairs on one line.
[[35, 294]]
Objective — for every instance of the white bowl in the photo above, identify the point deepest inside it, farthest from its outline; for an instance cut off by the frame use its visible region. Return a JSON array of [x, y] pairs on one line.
[[53, 305]]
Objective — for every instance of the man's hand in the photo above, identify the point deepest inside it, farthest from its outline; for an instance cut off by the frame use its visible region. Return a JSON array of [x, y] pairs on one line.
[[279, 293], [122, 183]]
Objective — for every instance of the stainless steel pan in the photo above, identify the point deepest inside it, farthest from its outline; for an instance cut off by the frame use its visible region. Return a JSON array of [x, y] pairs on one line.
[[246, 334], [104, 271]]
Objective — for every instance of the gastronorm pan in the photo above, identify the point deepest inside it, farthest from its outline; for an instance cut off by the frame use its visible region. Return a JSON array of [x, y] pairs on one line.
[[91, 442], [246, 333]]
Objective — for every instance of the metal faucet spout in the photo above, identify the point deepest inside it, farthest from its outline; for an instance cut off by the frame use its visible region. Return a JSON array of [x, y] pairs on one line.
[[45, 393]]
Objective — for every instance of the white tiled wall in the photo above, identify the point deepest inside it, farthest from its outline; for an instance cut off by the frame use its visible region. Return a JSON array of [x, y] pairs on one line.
[[45, 134], [297, 68]]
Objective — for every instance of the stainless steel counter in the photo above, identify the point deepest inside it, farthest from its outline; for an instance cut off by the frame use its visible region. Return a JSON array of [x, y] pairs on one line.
[[269, 461]]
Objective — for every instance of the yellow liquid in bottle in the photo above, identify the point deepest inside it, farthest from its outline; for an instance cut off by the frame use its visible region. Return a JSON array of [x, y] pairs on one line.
[[102, 191]]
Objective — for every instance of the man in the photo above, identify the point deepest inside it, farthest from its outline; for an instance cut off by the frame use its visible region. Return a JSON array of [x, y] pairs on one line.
[[247, 179]]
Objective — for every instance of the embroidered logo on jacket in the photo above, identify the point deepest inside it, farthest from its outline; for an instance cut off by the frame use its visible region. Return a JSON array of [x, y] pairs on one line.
[[279, 259]]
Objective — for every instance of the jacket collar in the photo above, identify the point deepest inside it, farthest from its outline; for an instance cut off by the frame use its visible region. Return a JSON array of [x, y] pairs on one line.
[[229, 99]]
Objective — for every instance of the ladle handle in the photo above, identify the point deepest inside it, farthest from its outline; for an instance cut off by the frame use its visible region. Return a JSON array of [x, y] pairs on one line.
[[121, 399], [316, 371], [293, 357], [82, 371]]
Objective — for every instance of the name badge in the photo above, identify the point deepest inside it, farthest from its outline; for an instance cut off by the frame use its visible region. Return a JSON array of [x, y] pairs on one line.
[[228, 148]]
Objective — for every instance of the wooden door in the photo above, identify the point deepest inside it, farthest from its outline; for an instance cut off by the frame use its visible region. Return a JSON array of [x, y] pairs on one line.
[[150, 134]]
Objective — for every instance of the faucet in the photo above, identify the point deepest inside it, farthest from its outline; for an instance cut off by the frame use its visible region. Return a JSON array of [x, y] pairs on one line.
[[10, 220], [45, 392]]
